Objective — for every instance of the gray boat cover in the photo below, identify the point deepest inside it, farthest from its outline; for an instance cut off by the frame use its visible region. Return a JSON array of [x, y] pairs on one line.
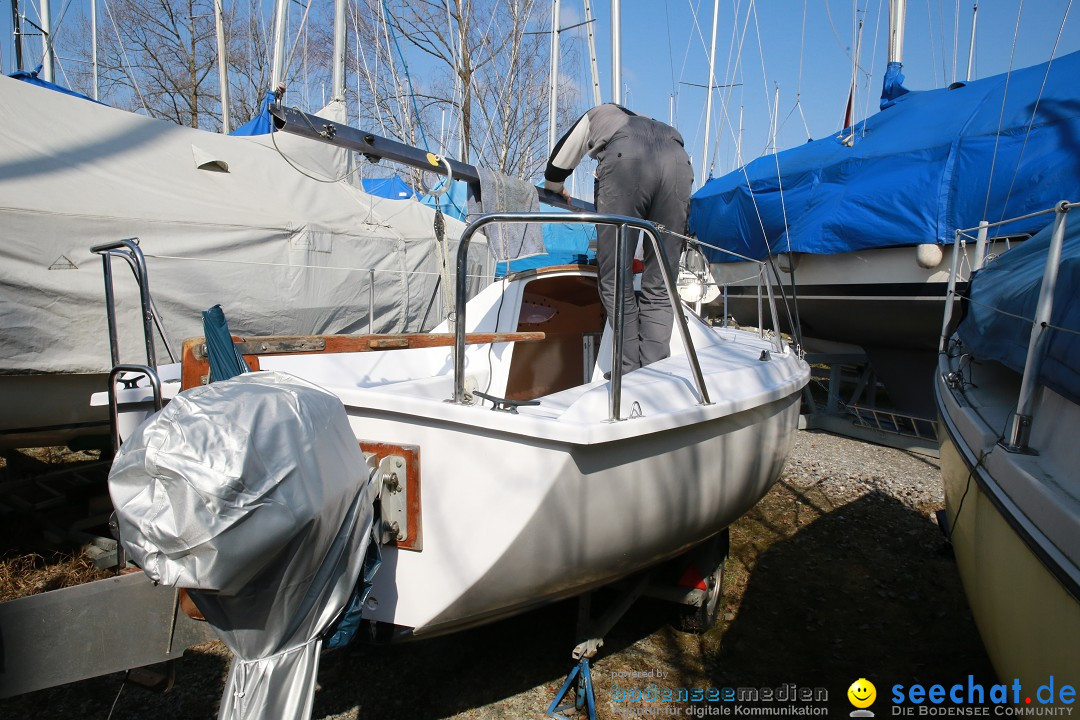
[[247, 222], [252, 492]]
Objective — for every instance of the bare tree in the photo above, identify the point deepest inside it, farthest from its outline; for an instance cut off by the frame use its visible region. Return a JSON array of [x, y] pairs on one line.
[[482, 68], [466, 77], [163, 52], [160, 56]]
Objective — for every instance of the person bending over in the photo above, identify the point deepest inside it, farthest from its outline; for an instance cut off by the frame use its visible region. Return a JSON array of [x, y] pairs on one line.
[[643, 172]]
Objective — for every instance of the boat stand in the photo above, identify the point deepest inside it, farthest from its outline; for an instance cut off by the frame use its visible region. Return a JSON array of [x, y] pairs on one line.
[[854, 414], [593, 632], [583, 693]]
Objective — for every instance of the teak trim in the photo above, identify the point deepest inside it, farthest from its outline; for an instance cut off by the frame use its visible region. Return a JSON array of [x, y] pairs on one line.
[[194, 366]]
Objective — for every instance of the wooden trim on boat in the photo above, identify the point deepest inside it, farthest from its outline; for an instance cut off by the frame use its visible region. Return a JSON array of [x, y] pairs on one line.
[[411, 453], [195, 366], [550, 269]]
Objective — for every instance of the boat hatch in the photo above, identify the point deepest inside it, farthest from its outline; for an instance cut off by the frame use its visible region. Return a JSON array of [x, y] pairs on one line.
[[568, 311]]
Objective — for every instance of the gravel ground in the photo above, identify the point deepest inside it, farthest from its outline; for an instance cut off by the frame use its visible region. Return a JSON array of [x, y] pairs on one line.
[[839, 573]]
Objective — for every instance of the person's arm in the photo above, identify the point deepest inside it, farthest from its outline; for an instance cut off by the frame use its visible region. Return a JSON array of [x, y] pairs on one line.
[[566, 155]]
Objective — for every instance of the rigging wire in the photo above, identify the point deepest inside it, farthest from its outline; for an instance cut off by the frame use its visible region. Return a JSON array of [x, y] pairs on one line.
[[671, 65], [955, 38], [930, 42], [832, 26], [773, 112], [870, 73], [798, 86], [408, 78], [731, 73], [941, 34], [362, 56], [1034, 112], [299, 31], [127, 62], [1001, 116]]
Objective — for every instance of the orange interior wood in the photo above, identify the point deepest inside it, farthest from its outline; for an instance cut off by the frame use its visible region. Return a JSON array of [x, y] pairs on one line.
[[574, 307], [194, 369]]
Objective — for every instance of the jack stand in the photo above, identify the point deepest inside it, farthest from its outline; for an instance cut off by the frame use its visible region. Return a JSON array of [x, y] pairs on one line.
[[593, 631], [583, 693]]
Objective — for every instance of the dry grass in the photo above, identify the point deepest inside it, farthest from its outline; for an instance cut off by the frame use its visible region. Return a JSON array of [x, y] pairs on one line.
[[32, 574], [828, 581]]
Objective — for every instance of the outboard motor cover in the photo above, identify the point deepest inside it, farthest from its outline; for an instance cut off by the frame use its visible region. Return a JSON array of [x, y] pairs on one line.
[[252, 493]]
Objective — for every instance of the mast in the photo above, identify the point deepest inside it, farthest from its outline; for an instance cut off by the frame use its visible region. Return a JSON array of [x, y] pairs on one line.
[[337, 90], [278, 63], [46, 42], [93, 45], [18, 34], [708, 102], [553, 81], [897, 12], [971, 46], [893, 85], [223, 66], [592, 53], [616, 53]]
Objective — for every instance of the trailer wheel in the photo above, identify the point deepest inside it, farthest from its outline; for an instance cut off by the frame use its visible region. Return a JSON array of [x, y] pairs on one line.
[[701, 618]]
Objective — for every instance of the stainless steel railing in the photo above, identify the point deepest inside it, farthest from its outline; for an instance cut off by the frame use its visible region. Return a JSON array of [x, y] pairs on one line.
[[1019, 430], [128, 249], [621, 222]]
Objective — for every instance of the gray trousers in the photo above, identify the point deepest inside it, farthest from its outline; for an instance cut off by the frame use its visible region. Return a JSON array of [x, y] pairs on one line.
[[644, 172]]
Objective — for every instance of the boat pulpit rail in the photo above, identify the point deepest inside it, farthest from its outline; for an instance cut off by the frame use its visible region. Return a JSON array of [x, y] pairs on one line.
[[128, 249], [1019, 430], [621, 223], [763, 280]]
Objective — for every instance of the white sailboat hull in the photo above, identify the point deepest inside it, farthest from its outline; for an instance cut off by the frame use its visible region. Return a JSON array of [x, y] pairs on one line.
[[515, 509], [512, 523]]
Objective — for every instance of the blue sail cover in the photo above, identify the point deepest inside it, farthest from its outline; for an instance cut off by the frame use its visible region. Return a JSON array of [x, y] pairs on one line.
[[1010, 284], [33, 79], [261, 124], [392, 187], [917, 170], [565, 244]]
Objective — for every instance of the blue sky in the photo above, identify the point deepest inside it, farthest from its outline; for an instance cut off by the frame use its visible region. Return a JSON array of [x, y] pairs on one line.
[[801, 46], [662, 46]]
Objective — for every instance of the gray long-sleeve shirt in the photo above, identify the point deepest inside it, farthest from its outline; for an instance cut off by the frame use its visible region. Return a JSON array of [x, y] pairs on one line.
[[590, 134]]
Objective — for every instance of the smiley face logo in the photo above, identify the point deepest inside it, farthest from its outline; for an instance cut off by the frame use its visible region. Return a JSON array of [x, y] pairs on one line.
[[862, 693]]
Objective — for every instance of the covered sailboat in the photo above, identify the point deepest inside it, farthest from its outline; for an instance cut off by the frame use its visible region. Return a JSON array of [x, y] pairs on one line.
[[862, 215], [517, 465], [273, 219], [1008, 394]]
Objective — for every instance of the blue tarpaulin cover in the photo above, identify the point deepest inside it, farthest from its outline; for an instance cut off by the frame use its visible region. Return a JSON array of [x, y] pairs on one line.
[[565, 244], [392, 187], [33, 79], [916, 171], [1010, 284], [261, 124]]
